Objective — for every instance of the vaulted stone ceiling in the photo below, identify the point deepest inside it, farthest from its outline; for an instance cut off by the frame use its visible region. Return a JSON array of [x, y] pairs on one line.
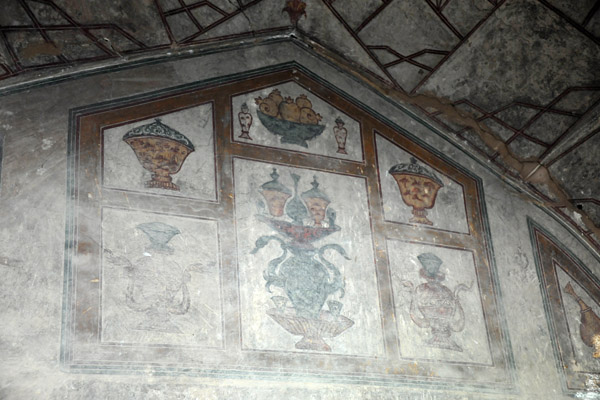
[[516, 81]]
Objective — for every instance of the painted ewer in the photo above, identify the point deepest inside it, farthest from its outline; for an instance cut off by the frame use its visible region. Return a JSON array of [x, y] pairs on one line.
[[418, 187], [302, 272], [341, 134], [161, 150], [435, 306], [157, 285], [589, 328]]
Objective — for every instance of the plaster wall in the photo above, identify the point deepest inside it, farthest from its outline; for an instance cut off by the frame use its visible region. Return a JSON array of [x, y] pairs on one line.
[[508, 347]]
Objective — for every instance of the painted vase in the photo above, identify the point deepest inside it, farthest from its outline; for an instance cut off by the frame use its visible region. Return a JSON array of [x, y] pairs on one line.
[[245, 119], [306, 283], [589, 328], [436, 307], [303, 273], [341, 134], [275, 194], [157, 286]]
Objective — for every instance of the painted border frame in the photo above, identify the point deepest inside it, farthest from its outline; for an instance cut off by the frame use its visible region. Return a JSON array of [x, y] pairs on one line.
[[552, 309]]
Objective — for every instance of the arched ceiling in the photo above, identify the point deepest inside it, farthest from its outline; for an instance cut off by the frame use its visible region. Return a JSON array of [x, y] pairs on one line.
[[517, 80]]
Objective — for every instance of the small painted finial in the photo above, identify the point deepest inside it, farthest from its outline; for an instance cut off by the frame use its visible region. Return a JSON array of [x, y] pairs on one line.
[[295, 9], [274, 174], [315, 183], [296, 179]]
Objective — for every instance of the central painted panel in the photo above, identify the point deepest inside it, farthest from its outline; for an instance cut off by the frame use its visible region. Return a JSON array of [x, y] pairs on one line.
[[305, 252]]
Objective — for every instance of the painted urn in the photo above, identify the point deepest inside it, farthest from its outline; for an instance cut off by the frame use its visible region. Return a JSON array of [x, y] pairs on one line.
[[161, 150], [245, 119], [418, 187], [341, 134], [157, 285], [317, 203], [275, 194]]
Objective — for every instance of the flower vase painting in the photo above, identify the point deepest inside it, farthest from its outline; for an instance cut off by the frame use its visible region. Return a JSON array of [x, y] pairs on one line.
[[306, 276], [271, 226], [301, 263]]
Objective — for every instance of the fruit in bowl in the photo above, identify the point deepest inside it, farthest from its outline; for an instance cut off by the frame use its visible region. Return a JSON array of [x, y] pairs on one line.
[[294, 120]]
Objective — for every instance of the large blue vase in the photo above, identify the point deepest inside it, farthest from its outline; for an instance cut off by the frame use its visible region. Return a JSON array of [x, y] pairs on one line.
[[306, 282]]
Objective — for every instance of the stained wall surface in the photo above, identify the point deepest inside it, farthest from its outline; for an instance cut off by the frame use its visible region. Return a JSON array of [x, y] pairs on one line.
[[256, 223]]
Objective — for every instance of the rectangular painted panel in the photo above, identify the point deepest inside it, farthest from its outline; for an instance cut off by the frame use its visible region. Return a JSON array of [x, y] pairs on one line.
[[438, 303], [571, 295], [324, 272], [190, 170], [161, 280]]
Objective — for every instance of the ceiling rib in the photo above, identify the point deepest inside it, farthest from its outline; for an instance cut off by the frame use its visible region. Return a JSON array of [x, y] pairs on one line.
[[571, 21]]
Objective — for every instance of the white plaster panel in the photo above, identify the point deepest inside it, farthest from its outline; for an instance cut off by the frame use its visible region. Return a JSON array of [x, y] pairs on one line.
[[458, 268], [583, 354]]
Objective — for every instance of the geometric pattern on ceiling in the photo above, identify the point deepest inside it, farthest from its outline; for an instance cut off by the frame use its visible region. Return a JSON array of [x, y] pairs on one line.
[[527, 69]]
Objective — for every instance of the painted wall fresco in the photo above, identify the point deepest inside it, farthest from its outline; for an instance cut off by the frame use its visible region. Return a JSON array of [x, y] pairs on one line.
[[307, 264], [161, 279], [173, 155], [417, 194], [204, 240], [582, 319], [571, 297], [289, 116], [438, 303]]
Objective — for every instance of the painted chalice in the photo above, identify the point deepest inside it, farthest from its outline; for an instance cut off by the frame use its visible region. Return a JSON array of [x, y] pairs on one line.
[[161, 150], [418, 187]]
